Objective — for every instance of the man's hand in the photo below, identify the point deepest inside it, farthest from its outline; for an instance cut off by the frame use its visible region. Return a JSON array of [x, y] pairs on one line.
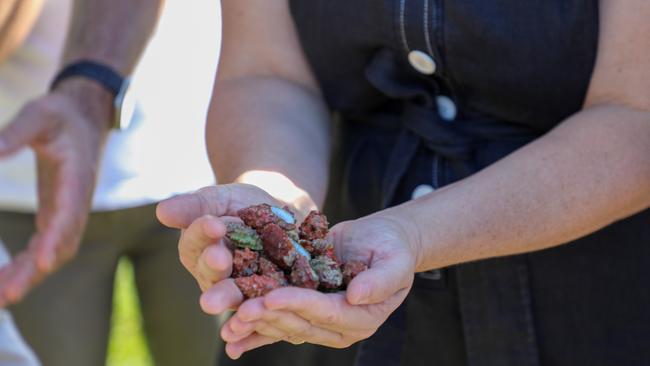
[[66, 129]]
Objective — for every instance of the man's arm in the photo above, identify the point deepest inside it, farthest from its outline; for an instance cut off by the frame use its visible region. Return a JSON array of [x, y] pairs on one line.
[[268, 125], [113, 33], [67, 128]]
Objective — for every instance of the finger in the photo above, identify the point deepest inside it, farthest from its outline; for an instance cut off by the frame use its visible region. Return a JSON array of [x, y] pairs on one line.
[[64, 202], [234, 330], [25, 128], [222, 200], [329, 311], [281, 324], [313, 334], [54, 245], [18, 278], [6, 274], [254, 310], [236, 349], [317, 307], [382, 280], [204, 231], [214, 264], [221, 297]]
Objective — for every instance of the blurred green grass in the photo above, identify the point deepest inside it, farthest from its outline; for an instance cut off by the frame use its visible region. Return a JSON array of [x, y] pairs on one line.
[[127, 345]]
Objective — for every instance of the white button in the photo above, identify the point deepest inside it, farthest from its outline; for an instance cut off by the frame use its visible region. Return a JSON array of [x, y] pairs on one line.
[[422, 62], [421, 190], [446, 108]]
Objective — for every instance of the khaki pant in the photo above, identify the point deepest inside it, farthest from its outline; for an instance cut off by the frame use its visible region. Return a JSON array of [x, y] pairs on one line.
[[67, 318]]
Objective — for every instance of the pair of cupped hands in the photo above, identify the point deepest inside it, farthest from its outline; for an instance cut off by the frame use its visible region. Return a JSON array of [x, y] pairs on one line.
[[291, 314]]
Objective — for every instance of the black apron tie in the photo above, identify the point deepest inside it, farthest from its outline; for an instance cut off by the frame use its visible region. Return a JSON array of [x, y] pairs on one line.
[[420, 125]]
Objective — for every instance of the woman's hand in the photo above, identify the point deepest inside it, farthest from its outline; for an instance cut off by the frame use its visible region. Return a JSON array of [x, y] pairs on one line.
[[201, 216], [337, 320], [388, 244]]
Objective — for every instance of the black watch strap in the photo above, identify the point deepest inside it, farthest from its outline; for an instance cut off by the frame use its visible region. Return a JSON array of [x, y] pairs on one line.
[[102, 74]]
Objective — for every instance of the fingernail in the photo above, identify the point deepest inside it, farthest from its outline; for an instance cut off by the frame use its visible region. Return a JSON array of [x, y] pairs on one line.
[[233, 354]]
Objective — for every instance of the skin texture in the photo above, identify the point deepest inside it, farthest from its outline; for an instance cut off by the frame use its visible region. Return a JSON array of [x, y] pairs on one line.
[[592, 168], [67, 128]]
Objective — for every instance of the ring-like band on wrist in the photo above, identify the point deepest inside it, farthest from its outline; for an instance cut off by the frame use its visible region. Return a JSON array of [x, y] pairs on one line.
[[103, 74]]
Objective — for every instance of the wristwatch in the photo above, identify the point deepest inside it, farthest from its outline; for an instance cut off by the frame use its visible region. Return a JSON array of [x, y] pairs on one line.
[[119, 86]]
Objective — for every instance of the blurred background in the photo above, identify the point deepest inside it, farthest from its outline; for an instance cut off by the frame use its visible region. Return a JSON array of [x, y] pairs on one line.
[[171, 85]]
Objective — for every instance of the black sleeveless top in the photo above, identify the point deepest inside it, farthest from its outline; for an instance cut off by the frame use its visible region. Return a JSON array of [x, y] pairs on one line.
[[427, 92]]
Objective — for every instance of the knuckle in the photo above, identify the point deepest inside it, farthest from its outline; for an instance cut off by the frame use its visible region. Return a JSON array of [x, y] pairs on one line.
[[186, 260], [65, 253], [43, 108], [301, 330], [271, 316], [329, 318], [206, 196], [183, 258], [331, 315]]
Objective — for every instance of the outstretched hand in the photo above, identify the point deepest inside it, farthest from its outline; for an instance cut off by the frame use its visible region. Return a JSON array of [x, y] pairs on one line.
[[339, 319], [202, 218], [66, 129], [292, 314]]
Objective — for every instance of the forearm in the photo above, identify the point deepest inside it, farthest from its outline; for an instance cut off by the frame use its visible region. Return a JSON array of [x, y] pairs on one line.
[[113, 32], [266, 124], [589, 172]]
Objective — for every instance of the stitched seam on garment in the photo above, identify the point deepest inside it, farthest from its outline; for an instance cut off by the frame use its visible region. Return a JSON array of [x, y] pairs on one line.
[[464, 308], [438, 27], [402, 25], [436, 163], [427, 35], [531, 341]]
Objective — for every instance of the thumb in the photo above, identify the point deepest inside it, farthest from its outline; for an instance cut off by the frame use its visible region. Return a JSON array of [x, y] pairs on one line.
[[24, 129], [221, 200], [381, 281]]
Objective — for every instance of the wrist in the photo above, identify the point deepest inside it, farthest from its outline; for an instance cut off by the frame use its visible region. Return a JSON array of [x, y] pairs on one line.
[[410, 231], [92, 100]]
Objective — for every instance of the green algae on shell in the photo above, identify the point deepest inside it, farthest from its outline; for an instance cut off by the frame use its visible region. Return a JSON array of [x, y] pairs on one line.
[[243, 236]]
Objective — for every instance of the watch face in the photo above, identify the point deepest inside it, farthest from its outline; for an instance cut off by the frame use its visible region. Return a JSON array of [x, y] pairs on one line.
[[125, 105]]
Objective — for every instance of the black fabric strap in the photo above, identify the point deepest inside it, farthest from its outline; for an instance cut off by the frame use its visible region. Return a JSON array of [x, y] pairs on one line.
[[103, 74]]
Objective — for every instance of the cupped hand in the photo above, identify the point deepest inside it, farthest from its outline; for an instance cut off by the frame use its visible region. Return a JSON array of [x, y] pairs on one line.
[[66, 129], [337, 320], [202, 216]]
